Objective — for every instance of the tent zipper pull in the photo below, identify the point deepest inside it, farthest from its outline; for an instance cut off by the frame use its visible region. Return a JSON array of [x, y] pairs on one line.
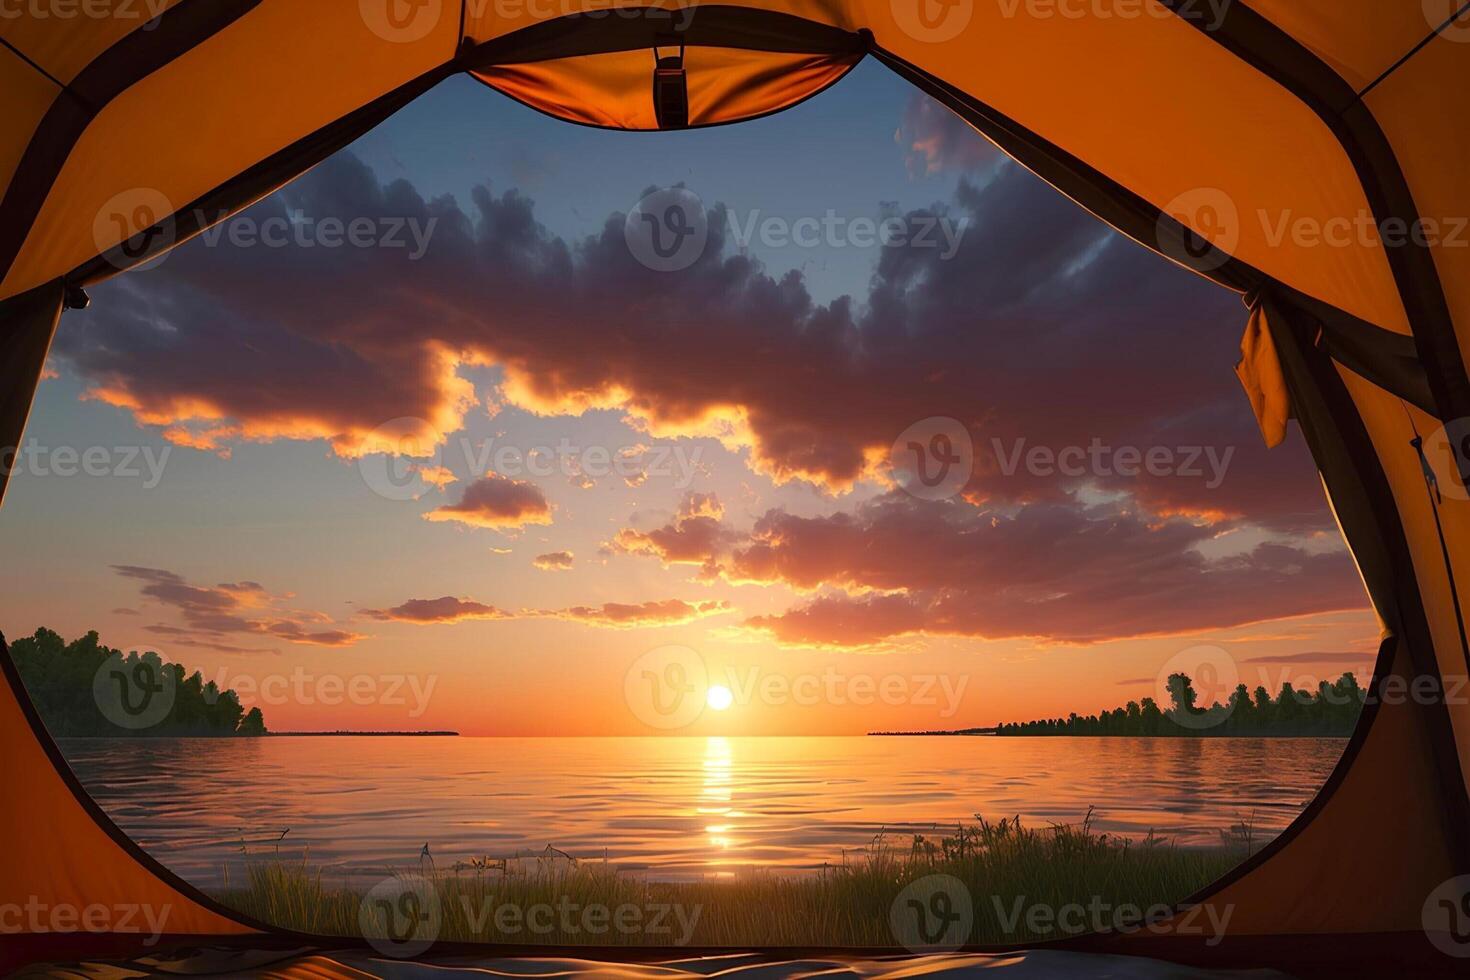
[[670, 88]]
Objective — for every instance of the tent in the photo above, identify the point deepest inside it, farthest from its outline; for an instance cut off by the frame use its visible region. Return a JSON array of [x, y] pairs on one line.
[[1305, 153]]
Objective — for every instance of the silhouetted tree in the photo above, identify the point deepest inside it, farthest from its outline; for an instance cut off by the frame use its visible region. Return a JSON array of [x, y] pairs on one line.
[[1332, 710], [63, 682]]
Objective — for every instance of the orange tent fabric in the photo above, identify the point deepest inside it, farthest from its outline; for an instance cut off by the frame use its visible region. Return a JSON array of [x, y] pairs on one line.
[[1305, 153]]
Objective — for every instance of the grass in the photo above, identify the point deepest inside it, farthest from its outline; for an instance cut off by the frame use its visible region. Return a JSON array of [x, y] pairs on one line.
[[1004, 868]]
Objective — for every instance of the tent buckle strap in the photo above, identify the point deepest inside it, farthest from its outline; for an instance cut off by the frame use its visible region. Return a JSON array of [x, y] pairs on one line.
[[670, 86]]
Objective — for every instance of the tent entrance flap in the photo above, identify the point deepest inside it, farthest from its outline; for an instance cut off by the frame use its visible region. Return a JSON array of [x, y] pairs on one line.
[[719, 64]]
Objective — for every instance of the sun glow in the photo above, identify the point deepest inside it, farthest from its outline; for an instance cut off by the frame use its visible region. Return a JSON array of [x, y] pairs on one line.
[[719, 697]]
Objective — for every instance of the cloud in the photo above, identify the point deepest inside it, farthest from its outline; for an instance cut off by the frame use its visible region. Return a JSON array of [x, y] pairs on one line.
[[1041, 325], [553, 561], [842, 622], [1313, 657], [696, 536], [1060, 572], [438, 477], [658, 612], [445, 609], [496, 501], [211, 613], [937, 140], [621, 615], [1040, 329]]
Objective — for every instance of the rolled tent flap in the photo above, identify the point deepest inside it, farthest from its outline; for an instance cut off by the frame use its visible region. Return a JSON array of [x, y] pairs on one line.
[[1260, 374]]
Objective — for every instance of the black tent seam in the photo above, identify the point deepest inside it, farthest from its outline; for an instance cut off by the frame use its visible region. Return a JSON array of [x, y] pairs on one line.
[[637, 28], [1414, 50], [1366, 348], [30, 61], [1313, 381], [1431, 487], [174, 33], [1108, 200], [1258, 42]]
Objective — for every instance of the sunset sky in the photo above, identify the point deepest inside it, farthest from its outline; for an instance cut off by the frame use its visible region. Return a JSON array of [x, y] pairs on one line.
[[751, 401]]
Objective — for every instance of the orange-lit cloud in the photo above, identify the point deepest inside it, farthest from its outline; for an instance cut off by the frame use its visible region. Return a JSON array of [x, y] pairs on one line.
[[696, 536], [725, 349], [211, 613], [553, 561], [655, 612], [621, 615], [445, 609], [1053, 572], [496, 501]]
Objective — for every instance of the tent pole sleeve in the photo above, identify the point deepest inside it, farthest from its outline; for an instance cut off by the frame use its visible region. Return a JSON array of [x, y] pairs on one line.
[[27, 324], [1367, 512], [1389, 360], [251, 185]]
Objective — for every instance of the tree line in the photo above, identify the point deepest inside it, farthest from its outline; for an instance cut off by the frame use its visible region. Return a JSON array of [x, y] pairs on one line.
[[1331, 710], [84, 688]]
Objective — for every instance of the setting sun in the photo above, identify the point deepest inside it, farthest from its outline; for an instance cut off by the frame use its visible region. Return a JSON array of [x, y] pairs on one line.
[[719, 697]]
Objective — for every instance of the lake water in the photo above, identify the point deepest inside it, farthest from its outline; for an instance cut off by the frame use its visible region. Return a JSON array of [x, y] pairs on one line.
[[675, 808]]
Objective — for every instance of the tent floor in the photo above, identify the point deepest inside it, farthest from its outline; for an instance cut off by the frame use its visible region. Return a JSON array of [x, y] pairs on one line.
[[1024, 965]]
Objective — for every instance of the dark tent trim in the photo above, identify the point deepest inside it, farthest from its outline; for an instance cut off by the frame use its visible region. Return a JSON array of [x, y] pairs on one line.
[[1388, 359], [170, 35], [27, 325], [265, 177], [1276, 54], [10, 674], [1365, 507], [639, 28], [1424, 42]]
